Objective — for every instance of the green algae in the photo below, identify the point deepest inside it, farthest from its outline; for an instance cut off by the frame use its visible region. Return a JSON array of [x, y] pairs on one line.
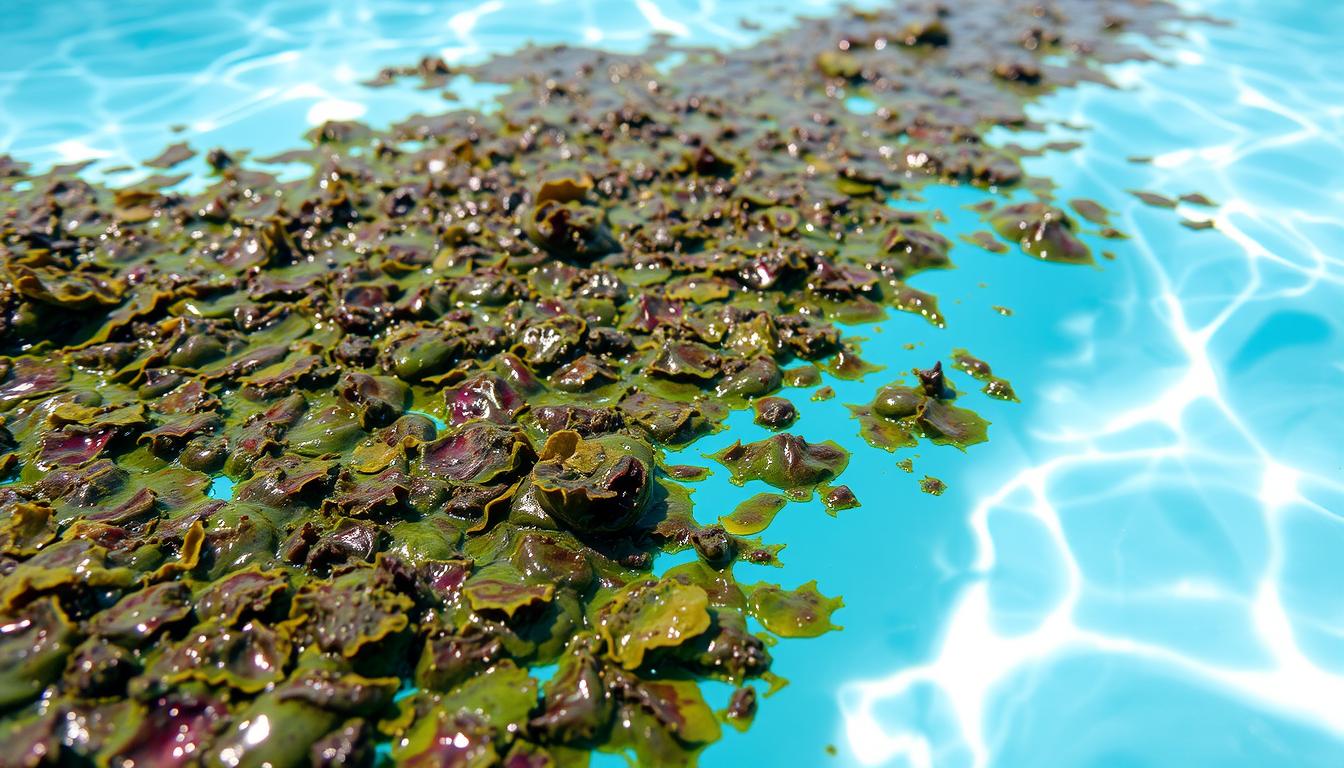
[[1042, 231], [838, 498], [775, 412], [785, 461], [753, 515], [803, 612], [741, 709], [900, 416], [439, 371], [996, 387], [932, 486]]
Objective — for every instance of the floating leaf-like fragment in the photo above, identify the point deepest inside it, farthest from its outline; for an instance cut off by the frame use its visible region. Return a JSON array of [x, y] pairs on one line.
[[803, 612], [786, 461], [753, 515], [1043, 231]]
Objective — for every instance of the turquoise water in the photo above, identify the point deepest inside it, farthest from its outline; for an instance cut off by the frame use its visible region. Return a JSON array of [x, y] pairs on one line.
[[221, 487], [1139, 569]]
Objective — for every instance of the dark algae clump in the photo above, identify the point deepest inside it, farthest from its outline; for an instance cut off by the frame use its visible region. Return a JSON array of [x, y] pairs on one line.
[[839, 498], [775, 412], [439, 373]]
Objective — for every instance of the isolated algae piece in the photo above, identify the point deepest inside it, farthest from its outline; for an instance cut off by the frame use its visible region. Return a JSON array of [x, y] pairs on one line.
[[753, 515], [839, 498], [995, 386], [899, 416], [802, 612], [1153, 199], [1198, 198], [1090, 210], [785, 461], [932, 486], [1042, 231]]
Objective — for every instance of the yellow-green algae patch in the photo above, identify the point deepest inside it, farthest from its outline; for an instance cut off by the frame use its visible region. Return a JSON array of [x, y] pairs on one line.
[[754, 515]]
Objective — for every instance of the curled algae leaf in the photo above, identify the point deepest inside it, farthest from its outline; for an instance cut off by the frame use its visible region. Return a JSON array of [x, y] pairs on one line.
[[753, 515], [802, 612], [440, 370]]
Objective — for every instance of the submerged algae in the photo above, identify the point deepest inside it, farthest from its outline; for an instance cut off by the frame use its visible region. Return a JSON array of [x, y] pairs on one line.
[[602, 266]]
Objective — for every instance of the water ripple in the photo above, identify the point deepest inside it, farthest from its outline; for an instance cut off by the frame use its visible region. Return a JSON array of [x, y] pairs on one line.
[[1186, 514]]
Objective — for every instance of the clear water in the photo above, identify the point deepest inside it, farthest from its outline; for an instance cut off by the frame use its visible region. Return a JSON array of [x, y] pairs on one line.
[[221, 488], [1140, 569]]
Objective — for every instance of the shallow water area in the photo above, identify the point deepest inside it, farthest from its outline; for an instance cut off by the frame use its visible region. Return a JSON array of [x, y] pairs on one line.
[[1139, 567]]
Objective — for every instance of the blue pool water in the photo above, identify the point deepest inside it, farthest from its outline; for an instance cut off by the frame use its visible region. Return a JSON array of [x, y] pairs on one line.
[[221, 487], [1141, 568]]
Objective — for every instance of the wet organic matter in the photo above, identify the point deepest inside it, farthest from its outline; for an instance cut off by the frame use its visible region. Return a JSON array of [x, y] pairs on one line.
[[440, 371]]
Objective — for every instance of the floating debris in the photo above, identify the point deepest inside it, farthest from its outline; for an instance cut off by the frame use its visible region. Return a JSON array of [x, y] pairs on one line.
[[175, 154], [439, 372], [1197, 198], [985, 240], [1091, 210], [1153, 199], [775, 412], [932, 486], [995, 386]]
